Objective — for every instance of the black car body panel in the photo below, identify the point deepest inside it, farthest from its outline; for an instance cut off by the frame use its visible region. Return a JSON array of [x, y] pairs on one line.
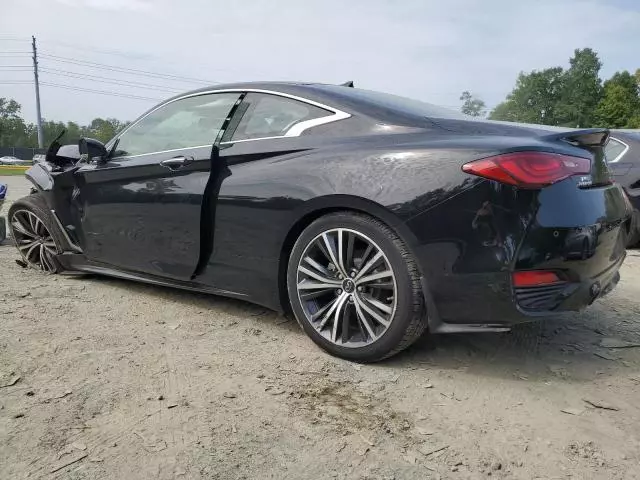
[[226, 221]]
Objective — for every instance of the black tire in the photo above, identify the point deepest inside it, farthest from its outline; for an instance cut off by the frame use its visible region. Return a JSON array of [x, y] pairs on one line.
[[408, 321], [37, 206], [634, 232]]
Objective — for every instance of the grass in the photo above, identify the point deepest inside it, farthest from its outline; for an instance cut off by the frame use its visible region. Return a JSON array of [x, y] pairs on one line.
[[6, 170]]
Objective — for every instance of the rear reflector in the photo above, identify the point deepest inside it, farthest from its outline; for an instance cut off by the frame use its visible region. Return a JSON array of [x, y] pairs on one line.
[[529, 169], [534, 278]]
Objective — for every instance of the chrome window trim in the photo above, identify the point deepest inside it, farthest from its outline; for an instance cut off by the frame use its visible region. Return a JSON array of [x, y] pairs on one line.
[[209, 145], [294, 131], [621, 154]]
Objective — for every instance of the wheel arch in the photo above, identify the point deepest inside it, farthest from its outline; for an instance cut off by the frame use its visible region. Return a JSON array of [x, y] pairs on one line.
[[318, 207]]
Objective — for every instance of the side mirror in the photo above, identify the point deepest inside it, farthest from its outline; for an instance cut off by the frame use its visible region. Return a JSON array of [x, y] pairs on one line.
[[93, 149]]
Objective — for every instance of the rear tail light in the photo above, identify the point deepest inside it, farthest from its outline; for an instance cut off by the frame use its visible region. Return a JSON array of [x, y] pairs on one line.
[[529, 169], [535, 278]]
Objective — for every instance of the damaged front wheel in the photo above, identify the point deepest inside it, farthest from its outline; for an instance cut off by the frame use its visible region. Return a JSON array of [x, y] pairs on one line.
[[34, 234]]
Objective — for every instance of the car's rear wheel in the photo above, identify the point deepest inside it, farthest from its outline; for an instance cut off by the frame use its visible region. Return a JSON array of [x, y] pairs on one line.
[[354, 287], [34, 233]]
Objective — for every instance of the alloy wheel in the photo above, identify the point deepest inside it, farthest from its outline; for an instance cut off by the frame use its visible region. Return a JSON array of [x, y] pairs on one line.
[[34, 240], [346, 287]]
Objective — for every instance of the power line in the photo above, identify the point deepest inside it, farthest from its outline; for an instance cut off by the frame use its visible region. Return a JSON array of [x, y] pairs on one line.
[[93, 49], [15, 82], [16, 66], [102, 66], [101, 92], [113, 81]]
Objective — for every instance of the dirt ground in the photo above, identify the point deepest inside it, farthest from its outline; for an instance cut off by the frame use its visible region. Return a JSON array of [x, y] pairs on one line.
[[104, 378]]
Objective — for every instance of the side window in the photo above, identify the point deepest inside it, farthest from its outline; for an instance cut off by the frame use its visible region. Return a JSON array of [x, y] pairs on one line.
[[613, 150], [273, 115], [190, 122]]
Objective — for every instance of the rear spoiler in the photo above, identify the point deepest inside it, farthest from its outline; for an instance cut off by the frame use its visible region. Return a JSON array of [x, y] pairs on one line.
[[588, 137]]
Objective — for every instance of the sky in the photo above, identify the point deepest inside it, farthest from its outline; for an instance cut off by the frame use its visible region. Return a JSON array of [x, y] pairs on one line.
[[429, 50]]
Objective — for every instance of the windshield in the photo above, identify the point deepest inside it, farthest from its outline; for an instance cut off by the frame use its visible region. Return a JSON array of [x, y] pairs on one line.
[[395, 102]]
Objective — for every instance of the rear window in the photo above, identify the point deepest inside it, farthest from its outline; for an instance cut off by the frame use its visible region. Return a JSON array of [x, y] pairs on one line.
[[614, 150], [395, 102], [634, 135]]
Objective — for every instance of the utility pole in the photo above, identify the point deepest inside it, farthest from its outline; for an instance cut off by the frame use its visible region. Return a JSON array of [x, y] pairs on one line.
[[35, 76]]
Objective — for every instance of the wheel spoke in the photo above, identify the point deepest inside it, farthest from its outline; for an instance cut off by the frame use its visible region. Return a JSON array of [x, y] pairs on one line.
[[350, 241], [346, 320], [317, 266], [371, 312], [321, 311], [370, 264], [318, 277], [323, 249], [40, 228], [363, 320], [43, 261], [382, 285], [308, 285], [17, 226], [345, 263], [337, 318], [336, 304], [332, 253], [366, 253], [47, 260], [311, 294], [33, 221], [27, 244], [375, 276], [30, 251], [377, 303]]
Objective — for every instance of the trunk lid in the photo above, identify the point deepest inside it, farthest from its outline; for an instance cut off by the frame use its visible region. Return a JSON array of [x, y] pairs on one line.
[[592, 140]]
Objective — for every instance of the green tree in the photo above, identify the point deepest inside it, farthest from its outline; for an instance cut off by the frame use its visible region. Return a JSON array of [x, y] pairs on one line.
[[471, 105], [534, 99], [104, 129], [13, 131], [9, 109], [620, 105], [581, 90]]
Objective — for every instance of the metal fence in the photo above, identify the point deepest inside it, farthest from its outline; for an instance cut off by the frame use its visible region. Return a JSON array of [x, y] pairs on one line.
[[23, 153]]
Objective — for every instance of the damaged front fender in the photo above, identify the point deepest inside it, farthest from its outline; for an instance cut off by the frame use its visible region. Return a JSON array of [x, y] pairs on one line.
[[40, 176]]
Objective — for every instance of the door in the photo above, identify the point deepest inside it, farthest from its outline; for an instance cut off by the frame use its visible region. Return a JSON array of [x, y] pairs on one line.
[[265, 126], [141, 211]]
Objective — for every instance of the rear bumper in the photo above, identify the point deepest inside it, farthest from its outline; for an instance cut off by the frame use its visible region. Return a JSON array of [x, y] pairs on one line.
[[467, 265], [567, 296]]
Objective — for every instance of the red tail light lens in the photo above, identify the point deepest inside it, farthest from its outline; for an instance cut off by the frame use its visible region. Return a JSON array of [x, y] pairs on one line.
[[529, 169], [535, 278]]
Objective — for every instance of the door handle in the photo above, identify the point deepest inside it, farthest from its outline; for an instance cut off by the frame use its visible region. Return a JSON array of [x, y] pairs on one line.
[[176, 162]]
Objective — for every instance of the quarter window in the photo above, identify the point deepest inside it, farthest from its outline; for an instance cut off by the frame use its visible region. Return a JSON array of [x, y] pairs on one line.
[[272, 116], [613, 150], [189, 122]]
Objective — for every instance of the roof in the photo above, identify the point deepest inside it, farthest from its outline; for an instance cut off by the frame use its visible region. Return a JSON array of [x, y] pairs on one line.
[[270, 85]]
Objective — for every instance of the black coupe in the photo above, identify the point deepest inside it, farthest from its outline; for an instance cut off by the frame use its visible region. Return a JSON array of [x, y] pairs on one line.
[[623, 156], [370, 217]]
